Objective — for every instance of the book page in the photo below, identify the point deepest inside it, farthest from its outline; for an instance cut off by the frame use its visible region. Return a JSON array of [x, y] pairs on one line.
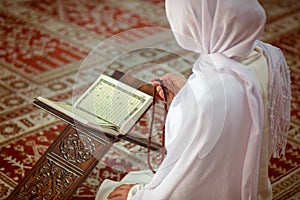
[[113, 102], [66, 109]]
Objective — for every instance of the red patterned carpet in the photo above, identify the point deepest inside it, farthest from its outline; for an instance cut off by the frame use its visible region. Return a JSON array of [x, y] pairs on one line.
[[43, 43]]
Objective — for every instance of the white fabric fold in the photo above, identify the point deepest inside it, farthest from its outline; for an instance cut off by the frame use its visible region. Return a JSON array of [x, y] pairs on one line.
[[222, 110], [279, 105]]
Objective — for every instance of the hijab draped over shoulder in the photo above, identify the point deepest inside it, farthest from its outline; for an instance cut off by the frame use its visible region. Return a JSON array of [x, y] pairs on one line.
[[231, 28]]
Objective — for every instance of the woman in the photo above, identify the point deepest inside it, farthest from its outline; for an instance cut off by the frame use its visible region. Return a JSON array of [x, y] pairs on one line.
[[229, 116]]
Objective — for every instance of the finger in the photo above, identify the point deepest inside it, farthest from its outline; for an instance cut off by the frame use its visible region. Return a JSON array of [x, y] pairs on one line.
[[171, 96], [158, 88], [161, 94], [156, 82], [124, 187], [114, 194], [115, 198], [118, 194]]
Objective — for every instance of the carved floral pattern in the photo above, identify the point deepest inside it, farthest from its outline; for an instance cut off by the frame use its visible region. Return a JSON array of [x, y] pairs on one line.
[[77, 148], [50, 181]]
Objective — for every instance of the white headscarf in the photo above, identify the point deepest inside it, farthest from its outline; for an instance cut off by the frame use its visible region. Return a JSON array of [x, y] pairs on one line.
[[231, 28]]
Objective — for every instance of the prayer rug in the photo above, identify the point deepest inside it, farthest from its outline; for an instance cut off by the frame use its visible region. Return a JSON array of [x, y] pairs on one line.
[[44, 42]]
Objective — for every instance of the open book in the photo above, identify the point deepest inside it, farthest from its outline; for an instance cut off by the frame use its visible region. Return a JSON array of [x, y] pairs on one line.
[[109, 105]]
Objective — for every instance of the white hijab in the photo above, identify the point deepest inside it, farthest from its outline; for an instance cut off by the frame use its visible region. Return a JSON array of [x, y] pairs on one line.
[[230, 28]]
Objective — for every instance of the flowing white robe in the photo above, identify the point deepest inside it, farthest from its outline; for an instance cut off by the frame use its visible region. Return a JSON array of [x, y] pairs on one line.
[[217, 129], [213, 139]]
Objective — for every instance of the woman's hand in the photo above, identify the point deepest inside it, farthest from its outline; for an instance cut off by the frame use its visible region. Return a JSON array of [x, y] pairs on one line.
[[120, 192], [172, 82]]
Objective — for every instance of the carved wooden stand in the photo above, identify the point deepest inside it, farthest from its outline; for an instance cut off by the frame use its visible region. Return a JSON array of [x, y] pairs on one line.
[[63, 167], [71, 158]]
